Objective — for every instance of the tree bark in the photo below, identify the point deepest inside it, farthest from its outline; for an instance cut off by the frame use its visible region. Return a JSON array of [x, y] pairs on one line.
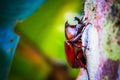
[[102, 38]]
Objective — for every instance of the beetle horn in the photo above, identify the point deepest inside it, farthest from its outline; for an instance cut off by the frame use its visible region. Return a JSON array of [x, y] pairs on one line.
[[66, 24]]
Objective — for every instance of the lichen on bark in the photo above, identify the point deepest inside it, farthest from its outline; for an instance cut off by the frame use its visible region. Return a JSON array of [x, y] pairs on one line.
[[111, 33], [103, 56]]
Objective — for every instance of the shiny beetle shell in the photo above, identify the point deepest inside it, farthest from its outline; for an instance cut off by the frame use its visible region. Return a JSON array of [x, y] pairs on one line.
[[73, 44]]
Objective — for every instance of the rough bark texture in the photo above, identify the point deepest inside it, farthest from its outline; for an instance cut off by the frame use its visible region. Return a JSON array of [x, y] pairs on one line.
[[102, 38]]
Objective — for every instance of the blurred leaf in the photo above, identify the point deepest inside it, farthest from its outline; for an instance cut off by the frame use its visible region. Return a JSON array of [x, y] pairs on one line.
[[46, 32], [18, 10], [23, 69], [8, 42], [10, 12]]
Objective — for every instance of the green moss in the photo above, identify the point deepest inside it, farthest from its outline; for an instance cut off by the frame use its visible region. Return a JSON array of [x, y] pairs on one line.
[[109, 41]]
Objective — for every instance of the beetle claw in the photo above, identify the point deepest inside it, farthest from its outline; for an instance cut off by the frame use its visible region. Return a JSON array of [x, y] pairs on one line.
[[86, 18], [88, 24]]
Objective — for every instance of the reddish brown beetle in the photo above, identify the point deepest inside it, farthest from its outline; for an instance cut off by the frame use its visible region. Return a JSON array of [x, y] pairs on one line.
[[73, 45]]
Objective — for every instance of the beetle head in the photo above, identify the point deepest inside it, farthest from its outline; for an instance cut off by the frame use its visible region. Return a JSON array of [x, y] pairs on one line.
[[72, 30]]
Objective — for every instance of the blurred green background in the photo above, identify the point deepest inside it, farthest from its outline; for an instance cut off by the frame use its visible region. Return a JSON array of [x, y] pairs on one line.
[[40, 53]]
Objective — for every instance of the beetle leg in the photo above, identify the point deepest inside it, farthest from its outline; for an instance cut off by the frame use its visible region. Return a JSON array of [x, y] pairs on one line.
[[76, 38], [82, 28], [82, 18], [88, 74], [87, 24], [68, 41], [86, 47]]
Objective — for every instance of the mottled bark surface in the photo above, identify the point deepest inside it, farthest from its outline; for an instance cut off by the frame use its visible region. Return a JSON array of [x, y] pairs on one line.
[[102, 39]]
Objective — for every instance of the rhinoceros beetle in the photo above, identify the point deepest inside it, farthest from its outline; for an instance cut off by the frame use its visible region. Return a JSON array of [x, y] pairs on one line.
[[73, 44]]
